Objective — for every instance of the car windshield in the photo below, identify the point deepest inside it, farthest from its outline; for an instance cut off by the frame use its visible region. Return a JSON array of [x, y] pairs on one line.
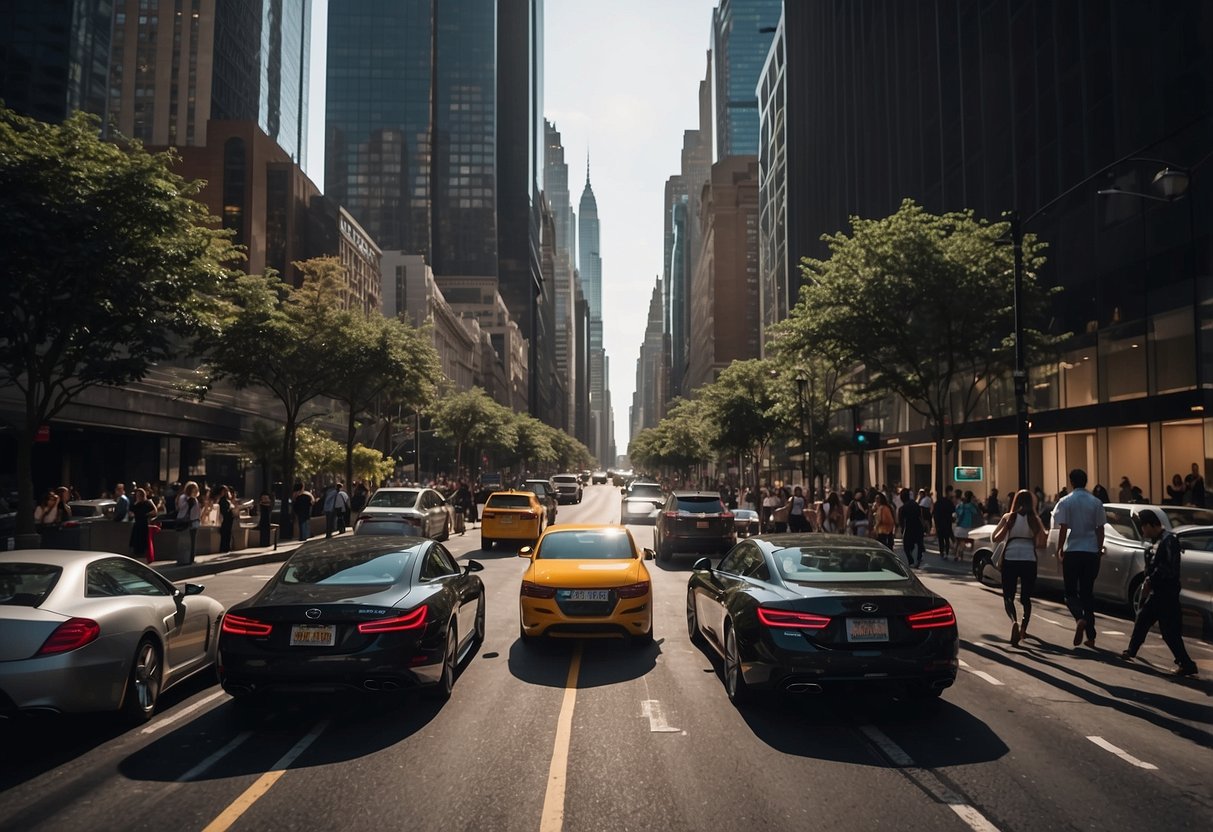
[[362, 567], [823, 564], [596, 544], [394, 526], [508, 501], [539, 488], [567, 479], [644, 490], [1189, 515], [699, 505], [26, 584], [393, 499]]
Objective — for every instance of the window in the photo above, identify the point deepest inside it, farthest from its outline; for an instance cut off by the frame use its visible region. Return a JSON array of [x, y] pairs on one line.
[[437, 564], [735, 561], [393, 499], [26, 584], [839, 564], [604, 544], [117, 577], [698, 505], [349, 565]]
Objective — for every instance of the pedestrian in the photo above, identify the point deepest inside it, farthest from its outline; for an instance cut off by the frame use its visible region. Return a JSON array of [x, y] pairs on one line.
[[797, 521], [942, 512], [858, 518], [227, 518], [265, 518], [1099, 491], [142, 511], [884, 522], [359, 498], [830, 518], [967, 517], [993, 507], [1080, 518], [329, 509], [1125, 494], [51, 512], [912, 532], [459, 503], [189, 514], [341, 508], [926, 504], [122, 503], [1024, 533], [301, 506], [1177, 492], [1195, 486], [1160, 594]]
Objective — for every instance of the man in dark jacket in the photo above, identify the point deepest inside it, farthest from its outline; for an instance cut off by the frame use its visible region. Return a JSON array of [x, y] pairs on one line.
[[1161, 594]]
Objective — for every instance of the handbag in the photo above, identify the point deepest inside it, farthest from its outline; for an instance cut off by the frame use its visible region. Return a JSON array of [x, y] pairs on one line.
[[1000, 551]]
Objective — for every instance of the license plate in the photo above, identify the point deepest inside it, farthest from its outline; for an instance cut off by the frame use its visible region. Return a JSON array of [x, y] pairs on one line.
[[586, 595], [701, 524], [313, 635], [867, 629], [507, 521]]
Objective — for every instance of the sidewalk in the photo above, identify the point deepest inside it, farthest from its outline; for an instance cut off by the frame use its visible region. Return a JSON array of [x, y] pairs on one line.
[[210, 564]]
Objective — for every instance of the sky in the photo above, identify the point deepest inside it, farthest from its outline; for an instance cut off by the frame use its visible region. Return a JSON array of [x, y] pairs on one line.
[[621, 81]]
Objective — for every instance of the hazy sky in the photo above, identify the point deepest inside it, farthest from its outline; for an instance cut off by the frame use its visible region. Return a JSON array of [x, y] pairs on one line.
[[621, 81]]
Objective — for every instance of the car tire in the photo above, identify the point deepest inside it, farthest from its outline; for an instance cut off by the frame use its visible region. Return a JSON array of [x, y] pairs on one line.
[[486, 543], [441, 692], [980, 559], [143, 682], [734, 680], [446, 531], [479, 633], [693, 620]]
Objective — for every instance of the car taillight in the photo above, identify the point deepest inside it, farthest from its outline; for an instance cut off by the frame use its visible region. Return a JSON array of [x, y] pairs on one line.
[[409, 621], [633, 590], [531, 590], [70, 635], [238, 625], [938, 617], [528, 515], [671, 515], [789, 618]]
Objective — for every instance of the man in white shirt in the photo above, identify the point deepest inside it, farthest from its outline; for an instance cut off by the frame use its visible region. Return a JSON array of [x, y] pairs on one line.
[[1080, 518]]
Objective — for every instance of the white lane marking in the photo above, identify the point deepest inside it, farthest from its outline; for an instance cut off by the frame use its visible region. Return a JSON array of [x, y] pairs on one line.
[[1122, 754], [551, 817], [1112, 633], [202, 767], [928, 781], [1051, 621], [655, 713], [980, 674], [183, 713]]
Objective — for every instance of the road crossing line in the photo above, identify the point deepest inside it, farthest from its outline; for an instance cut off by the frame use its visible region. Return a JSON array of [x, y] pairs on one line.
[[1122, 754], [183, 713], [552, 817], [981, 674], [263, 783], [928, 780]]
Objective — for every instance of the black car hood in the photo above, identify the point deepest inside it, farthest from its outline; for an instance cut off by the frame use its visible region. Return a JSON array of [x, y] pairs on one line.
[[283, 595]]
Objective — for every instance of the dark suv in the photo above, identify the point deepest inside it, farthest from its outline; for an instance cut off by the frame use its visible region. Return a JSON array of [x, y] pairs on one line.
[[693, 521]]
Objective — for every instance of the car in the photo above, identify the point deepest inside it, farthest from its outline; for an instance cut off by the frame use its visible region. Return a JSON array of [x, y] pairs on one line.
[[584, 476], [693, 521], [387, 524], [424, 505], [641, 502], [91, 510], [546, 492], [568, 488], [746, 522], [94, 631], [806, 613], [1121, 569], [586, 581], [511, 515], [374, 614], [490, 481], [598, 478]]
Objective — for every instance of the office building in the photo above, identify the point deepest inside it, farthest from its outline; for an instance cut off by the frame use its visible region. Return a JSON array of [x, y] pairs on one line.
[[741, 37]]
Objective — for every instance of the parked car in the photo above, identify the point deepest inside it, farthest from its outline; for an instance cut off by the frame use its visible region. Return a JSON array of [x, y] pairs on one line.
[[1196, 578], [425, 506], [92, 510], [641, 502], [546, 492], [568, 488], [804, 613], [375, 614], [693, 521], [490, 481], [511, 515], [586, 580], [1122, 567], [94, 631]]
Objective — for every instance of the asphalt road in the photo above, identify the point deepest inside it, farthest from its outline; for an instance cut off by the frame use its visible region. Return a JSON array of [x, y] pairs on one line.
[[605, 736]]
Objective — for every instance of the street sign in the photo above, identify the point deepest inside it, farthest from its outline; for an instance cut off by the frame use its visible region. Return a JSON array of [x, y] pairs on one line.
[[968, 473]]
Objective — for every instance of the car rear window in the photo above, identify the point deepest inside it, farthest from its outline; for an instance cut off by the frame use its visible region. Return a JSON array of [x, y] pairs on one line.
[[26, 584], [1189, 515], [567, 479], [508, 501], [375, 525], [699, 505], [604, 544], [644, 491], [394, 499], [348, 566], [820, 564]]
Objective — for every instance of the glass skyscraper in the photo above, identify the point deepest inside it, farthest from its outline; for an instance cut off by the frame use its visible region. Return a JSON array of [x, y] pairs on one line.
[[741, 37]]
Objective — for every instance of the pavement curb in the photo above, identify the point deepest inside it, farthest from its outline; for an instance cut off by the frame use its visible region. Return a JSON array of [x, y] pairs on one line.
[[181, 572]]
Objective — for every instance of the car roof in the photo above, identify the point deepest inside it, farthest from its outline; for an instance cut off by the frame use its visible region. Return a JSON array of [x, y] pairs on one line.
[[688, 493], [396, 488], [791, 540]]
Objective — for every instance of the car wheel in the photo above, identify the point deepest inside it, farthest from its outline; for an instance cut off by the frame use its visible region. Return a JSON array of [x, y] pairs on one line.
[[446, 682], [1135, 599], [734, 680], [480, 630], [143, 682], [980, 559], [693, 619], [446, 530]]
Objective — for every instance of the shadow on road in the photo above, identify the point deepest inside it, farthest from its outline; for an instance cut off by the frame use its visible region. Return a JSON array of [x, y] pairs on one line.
[[603, 661]]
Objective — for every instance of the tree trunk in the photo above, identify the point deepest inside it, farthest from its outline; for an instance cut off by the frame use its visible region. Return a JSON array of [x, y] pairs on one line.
[[941, 432], [288, 477], [349, 449], [25, 480]]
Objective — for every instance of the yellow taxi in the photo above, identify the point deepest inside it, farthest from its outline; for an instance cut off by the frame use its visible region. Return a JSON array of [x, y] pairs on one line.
[[586, 581], [511, 515]]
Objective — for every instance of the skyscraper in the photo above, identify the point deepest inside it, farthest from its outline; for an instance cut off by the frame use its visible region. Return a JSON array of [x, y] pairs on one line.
[[741, 36], [556, 190], [591, 284]]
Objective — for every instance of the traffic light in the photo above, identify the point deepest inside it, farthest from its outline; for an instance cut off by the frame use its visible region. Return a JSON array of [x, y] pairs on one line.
[[865, 440]]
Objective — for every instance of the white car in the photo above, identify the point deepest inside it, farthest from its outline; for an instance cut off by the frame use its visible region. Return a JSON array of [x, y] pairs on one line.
[[423, 506], [568, 488]]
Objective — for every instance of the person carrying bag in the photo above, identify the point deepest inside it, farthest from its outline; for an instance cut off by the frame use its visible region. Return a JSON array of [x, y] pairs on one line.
[[1019, 534]]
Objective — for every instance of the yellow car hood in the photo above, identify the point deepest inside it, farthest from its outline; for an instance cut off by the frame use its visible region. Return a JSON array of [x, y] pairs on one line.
[[586, 574]]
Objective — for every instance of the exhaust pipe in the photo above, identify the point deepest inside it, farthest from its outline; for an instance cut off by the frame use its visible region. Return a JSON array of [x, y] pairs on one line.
[[388, 684], [803, 687], [371, 684]]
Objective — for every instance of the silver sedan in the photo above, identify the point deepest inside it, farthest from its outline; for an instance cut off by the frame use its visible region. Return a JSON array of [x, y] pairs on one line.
[[94, 631]]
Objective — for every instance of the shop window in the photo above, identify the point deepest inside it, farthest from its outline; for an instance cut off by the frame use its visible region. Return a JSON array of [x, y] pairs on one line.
[[1173, 351], [1078, 377], [1044, 385], [1122, 361]]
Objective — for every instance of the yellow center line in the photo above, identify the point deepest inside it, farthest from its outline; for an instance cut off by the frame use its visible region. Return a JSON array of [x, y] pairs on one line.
[[263, 783], [552, 819]]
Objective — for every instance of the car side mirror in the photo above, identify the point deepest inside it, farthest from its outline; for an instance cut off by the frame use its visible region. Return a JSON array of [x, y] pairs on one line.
[[194, 589], [623, 491], [525, 552], [473, 566], [649, 554], [702, 564]]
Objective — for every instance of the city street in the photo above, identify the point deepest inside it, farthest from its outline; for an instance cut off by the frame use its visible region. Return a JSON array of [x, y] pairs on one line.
[[607, 736]]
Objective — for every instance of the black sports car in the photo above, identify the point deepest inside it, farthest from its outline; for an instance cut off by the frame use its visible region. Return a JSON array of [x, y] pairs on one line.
[[800, 613], [362, 612]]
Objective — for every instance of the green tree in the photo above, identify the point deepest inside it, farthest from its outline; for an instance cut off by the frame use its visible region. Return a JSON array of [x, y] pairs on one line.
[[472, 418], [110, 268], [317, 454], [371, 465], [288, 341], [532, 445], [262, 445], [743, 404], [924, 303], [679, 442]]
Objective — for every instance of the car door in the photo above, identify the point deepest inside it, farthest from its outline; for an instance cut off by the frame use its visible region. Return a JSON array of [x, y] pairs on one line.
[[145, 590], [463, 589], [713, 605], [438, 567], [1196, 574], [1124, 555]]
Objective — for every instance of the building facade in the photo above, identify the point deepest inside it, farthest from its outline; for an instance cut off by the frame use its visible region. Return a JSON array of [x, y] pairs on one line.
[[334, 232], [648, 404], [741, 36]]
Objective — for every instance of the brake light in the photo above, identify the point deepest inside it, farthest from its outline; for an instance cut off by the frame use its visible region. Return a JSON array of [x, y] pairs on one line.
[[633, 590], [238, 625], [671, 515], [728, 515], [532, 590], [789, 618], [70, 635], [409, 621], [938, 617], [528, 515]]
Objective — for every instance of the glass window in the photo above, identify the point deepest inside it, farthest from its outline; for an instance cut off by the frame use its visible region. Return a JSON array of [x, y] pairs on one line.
[[839, 564], [116, 577], [451, 566], [734, 562], [393, 499], [1079, 377], [437, 564], [1123, 523], [1188, 515], [699, 505], [1122, 361], [1173, 351], [500, 500], [26, 584], [348, 565], [596, 544]]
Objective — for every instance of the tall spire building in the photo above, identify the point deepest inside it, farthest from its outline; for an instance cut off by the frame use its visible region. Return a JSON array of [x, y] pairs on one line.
[[590, 262]]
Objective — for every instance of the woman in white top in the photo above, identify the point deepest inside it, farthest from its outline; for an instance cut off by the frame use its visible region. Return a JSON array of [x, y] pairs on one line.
[[1024, 533]]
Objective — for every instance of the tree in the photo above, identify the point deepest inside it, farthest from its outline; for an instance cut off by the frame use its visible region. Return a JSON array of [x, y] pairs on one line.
[[532, 443], [678, 443], [371, 465], [472, 418], [316, 454], [110, 268], [743, 404], [261, 446], [925, 304], [286, 340]]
